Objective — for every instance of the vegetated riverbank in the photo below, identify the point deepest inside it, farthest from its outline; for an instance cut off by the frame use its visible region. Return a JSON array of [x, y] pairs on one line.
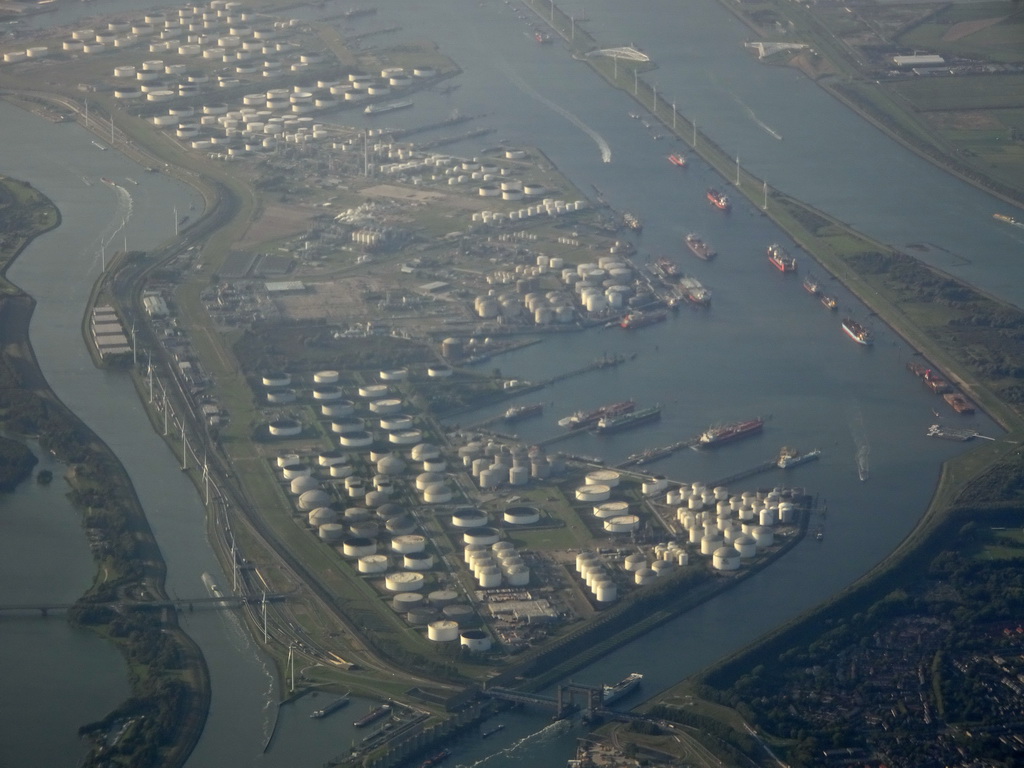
[[164, 717]]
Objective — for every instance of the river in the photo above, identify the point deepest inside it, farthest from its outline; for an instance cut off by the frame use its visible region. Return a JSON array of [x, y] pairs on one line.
[[764, 348]]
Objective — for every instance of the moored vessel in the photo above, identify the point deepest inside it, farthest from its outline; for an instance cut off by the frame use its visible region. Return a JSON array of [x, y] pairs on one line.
[[677, 160], [582, 419], [666, 267], [517, 412], [334, 706], [610, 424], [811, 285], [373, 716], [693, 291], [958, 402], [635, 320], [857, 332], [631, 221], [700, 249], [829, 303], [713, 436], [718, 199], [388, 106], [790, 457], [436, 758], [615, 691], [780, 258]]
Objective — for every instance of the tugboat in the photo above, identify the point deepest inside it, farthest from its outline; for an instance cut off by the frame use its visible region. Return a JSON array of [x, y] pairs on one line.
[[718, 199], [666, 267], [829, 303], [632, 222], [811, 285], [677, 160]]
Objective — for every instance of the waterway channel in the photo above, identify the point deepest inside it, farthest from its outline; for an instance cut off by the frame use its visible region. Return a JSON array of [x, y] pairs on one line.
[[764, 347]]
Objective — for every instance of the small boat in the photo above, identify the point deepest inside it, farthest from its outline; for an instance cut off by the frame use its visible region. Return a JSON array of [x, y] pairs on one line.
[[718, 199], [950, 433], [829, 303], [811, 285], [631, 221], [789, 457], [677, 160], [105, 180], [694, 292], [436, 758], [857, 332], [492, 731], [666, 267]]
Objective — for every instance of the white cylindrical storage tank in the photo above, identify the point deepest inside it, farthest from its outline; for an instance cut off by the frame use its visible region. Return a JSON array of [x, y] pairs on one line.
[[608, 477], [387, 406], [482, 535], [522, 515], [404, 602], [763, 536], [469, 517], [766, 517], [338, 408], [409, 543], [300, 485], [592, 493], [348, 425], [634, 562], [708, 544], [341, 471], [491, 477], [605, 591], [622, 524], [285, 428], [438, 493], [654, 485], [745, 545], [405, 581], [786, 512], [475, 640], [331, 532], [356, 440], [644, 576], [373, 391], [395, 422], [725, 559], [418, 561], [489, 577], [443, 631], [517, 575], [359, 546], [327, 392], [662, 567], [323, 515], [611, 509], [124, 71], [373, 564]]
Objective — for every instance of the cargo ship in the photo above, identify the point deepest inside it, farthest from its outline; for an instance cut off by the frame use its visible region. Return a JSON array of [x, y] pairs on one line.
[[648, 455], [780, 258], [714, 436], [857, 332], [632, 222], [958, 402], [950, 433], [700, 249], [582, 419], [694, 292], [388, 106], [436, 758], [614, 692], [609, 424], [373, 716], [829, 303], [517, 412], [718, 199], [811, 285], [492, 731], [1007, 219], [331, 708], [677, 160], [666, 267], [790, 457], [635, 320]]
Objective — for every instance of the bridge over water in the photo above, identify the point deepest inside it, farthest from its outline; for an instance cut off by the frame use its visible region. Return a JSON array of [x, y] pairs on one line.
[[187, 603]]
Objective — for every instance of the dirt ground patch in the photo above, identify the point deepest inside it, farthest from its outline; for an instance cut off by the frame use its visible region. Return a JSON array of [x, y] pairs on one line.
[[965, 28], [276, 221], [335, 301], [963, 121], [413, 195]]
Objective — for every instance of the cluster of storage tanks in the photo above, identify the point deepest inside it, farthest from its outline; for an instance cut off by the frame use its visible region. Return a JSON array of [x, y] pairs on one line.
[[593, 288], [493, 464], [595, 575], [730, 528], [445, 616], [495, 563], [546, 207]]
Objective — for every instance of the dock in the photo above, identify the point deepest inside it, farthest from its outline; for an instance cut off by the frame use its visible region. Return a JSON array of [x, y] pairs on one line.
[[766, 466]]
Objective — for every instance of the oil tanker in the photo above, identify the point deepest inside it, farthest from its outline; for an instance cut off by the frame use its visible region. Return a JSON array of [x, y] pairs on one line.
[[610, 424], [713, 436]]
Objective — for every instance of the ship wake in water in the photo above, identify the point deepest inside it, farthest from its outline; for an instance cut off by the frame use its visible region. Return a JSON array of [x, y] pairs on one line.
[[548, 732], [860, 440]]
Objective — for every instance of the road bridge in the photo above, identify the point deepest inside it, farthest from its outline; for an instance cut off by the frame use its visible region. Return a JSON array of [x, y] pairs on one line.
[[187, 603]]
